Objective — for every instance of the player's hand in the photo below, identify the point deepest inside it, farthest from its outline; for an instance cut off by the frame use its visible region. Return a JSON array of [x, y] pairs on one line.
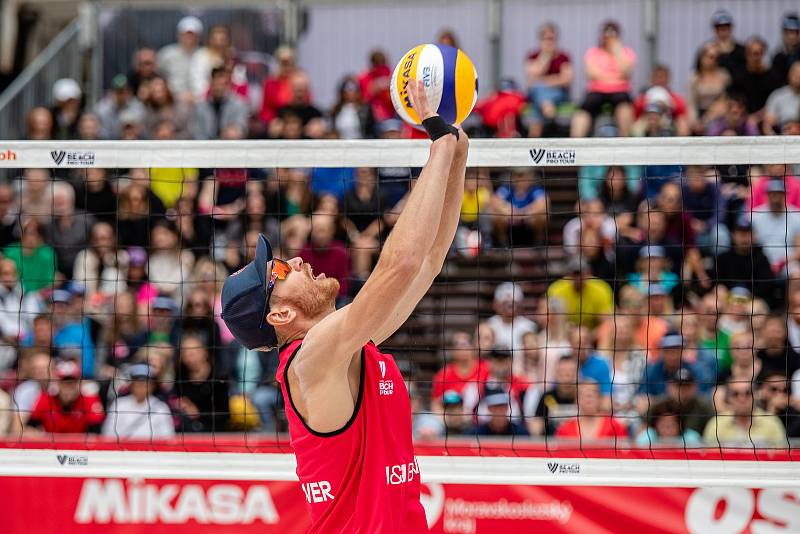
[[462, 147], [419, 99]]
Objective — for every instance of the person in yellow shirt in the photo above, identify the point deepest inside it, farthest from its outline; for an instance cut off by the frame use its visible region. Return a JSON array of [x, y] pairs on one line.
[[745, 423], [587, 300], [475, 223]]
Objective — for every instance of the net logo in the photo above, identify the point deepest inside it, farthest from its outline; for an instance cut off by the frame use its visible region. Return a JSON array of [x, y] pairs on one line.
[[571, 468], [65, 459], [8, 155], [72, 158], [552, 156]]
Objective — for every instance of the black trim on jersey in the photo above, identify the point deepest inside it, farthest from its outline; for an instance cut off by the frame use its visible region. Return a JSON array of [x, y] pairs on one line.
[[356, 408]]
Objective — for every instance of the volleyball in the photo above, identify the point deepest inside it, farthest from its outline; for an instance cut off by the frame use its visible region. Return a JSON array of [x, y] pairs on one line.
[[450, 79]]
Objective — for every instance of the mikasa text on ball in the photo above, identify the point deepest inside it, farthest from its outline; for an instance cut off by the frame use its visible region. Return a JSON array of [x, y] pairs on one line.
[[450, 79]]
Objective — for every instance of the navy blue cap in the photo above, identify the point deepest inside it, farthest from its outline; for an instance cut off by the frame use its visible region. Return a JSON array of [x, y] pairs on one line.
[[245, 301]]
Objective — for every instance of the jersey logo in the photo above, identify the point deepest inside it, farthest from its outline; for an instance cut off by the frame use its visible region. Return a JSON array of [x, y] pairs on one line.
[[385, 387]]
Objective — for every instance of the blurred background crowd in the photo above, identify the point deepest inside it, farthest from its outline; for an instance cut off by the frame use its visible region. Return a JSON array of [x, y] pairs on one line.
[[653, 304]]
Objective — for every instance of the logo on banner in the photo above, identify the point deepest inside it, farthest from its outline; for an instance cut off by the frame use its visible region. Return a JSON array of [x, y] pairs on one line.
[[133, 501], [552, 156], [72, 158], [564, 468], [66, 459], [8, 155]]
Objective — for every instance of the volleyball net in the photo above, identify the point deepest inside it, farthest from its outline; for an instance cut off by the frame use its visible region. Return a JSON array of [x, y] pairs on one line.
[[616, 313]]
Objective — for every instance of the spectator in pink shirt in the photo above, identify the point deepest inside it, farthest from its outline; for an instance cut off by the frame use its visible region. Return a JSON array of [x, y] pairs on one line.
[[609, 67], [777, 171]]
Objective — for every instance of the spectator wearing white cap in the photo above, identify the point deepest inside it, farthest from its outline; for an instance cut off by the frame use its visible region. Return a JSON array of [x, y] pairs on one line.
[[659, 92], [67, 108], [139, 415], [508, 324], [118, 104], [177, 60]]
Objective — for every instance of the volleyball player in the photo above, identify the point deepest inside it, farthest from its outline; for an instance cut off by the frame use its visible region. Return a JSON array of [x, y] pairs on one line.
[[346, 403]]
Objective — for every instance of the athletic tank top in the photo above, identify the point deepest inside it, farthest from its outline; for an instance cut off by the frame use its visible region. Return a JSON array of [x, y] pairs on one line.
[[364, 477]]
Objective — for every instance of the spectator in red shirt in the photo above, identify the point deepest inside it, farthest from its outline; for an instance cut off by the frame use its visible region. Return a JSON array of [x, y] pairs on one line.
[[593, 422], [660, 92], [374, 83], [549, 73], [327, 255], [278, 88], [69, 409], [500, 110], [779, 171], [465, 374], [609, 67]]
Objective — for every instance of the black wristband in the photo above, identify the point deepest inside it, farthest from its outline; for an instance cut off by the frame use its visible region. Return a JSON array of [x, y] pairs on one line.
[[436, 127]]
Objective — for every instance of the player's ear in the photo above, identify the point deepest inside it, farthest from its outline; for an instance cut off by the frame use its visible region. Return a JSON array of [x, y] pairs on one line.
[[281, 316]]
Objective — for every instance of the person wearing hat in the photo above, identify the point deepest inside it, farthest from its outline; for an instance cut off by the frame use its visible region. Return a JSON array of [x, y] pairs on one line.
[[500, 421], [347, 406], [587, 299], [670, 360], [67, 407], [775, 227], [651, 268], [508, 323], [789, 52], [783, 105], [744, 423], [139, 415], [520, 209], [731, 52], [72, 330], [120, 101], [177, 61], [746, 262], [67, 108], [457, 420], [671, 102], [695, 408], [501, 377]]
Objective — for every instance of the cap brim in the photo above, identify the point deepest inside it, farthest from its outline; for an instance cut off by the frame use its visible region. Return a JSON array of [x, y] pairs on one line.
[[263, 266]]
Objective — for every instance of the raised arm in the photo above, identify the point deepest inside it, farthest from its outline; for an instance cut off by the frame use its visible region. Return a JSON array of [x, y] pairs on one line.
[[411, 248]]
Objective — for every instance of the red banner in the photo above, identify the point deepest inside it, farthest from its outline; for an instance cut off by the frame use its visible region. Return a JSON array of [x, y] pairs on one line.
[[128, 506]]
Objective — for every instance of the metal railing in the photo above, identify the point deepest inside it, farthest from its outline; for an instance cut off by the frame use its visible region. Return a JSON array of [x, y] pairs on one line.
[[62, 58]]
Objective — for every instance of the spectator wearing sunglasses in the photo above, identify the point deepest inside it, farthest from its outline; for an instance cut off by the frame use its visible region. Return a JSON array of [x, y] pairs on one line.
[[744, 423]]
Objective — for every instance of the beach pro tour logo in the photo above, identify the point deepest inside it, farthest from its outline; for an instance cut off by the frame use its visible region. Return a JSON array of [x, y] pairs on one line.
[[68, 459], [68, 158], [564, 468], [552, 156]]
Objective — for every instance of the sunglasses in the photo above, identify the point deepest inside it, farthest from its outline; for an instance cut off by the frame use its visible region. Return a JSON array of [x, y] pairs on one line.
[[280, 270]]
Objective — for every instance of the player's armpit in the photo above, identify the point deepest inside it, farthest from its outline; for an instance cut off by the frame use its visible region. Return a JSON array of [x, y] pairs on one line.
[[330, 344]]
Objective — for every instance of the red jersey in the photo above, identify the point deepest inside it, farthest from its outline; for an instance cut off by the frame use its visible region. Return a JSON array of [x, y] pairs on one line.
[[86, 411], [609, 428], [364, 477], [469, 386]]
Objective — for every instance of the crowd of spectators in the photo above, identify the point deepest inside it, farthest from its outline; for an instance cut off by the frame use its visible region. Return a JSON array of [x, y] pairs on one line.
[[677, 319]]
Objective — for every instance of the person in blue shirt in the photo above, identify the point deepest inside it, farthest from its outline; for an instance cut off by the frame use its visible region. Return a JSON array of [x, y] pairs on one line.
[[652, 268], [71, 331], [520, 209], [660, 372], [591, 364]]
